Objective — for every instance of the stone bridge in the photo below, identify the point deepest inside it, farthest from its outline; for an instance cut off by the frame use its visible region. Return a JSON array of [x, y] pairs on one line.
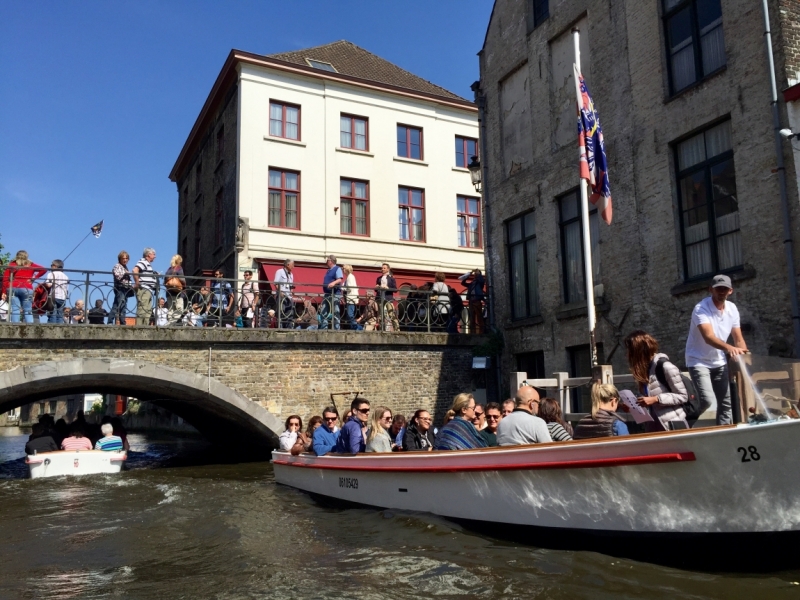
[[234, 386]]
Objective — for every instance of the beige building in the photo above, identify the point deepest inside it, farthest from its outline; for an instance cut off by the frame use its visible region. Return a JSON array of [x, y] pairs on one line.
[[683, 92], [329, 150]]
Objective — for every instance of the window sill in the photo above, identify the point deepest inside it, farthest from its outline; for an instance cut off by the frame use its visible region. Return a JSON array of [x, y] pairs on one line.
[[413, 161], [527, 322], [746, 272], [461, 169], [356, 152], [269, 138], [578, 309], [696, 84], [471, 249]]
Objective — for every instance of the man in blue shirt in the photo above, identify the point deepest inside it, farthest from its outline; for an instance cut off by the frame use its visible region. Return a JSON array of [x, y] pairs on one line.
[[352, 438], [221, 300], [325, 438], [333, 294], [109, 442]]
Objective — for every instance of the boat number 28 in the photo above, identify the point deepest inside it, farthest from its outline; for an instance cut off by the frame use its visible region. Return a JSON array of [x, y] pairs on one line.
[[748, 454]]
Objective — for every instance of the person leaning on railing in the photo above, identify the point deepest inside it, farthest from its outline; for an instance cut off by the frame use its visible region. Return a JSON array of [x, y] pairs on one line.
[[175, 283], [145, 280], [57, 284], [475, 282], [18, 281], [123, 289]]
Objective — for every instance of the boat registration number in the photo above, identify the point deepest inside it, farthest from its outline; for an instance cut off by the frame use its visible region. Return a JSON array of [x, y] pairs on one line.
[[348, 482]]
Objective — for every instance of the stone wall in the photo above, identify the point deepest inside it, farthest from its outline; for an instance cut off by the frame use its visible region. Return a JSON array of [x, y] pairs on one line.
[[640, 254], [285, 372]]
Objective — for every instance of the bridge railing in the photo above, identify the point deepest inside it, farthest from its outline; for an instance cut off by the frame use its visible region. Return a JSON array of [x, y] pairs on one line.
[[96, 298]]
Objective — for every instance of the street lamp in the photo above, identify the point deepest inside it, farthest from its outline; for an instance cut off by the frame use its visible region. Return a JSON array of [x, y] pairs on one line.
[[475, 173]]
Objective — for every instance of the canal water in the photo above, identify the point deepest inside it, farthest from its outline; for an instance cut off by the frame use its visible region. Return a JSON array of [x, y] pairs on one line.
[[178, 524]]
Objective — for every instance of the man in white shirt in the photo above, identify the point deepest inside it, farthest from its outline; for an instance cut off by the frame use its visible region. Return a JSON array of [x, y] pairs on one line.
[[284, 281], [57, 284], [521, 426], [714, 319]]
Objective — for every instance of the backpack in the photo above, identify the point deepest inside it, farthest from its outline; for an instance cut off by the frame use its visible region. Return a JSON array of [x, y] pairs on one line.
[[692, 407]]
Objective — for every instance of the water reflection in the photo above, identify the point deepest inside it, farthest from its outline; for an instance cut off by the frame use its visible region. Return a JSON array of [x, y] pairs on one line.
[[179, 523]]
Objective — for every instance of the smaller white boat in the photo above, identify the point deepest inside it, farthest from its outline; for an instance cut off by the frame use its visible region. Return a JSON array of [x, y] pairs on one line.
[[74, 462]]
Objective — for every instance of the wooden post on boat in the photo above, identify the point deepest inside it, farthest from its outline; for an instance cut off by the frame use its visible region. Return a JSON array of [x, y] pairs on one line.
[[517, 379], [603, 374]]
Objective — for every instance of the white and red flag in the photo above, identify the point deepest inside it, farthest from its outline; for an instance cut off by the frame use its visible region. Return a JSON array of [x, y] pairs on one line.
[[593, 164]]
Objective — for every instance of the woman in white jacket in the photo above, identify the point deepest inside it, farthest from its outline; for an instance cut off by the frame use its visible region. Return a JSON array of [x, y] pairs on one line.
[[666, 399], [287, 439]]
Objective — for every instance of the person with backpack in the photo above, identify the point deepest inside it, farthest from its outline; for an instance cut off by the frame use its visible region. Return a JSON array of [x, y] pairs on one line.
[[662, 386]]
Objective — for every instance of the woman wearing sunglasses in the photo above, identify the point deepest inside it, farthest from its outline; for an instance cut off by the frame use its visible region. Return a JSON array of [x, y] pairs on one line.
[[418, 435], [287, 439], [378, 439], [305, 440]]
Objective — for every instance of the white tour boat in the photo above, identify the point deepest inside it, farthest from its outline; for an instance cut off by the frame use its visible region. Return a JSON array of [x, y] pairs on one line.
[[691, 497], [74, 462]]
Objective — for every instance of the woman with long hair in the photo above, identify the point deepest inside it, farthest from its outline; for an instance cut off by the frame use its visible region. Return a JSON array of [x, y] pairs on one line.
[[418, 435], [123, 289], [660, 382], [550, 412], [287, 439], [604, 421], [378, 439], [459, 433], [305, 440], [18, 281], [175, 283]]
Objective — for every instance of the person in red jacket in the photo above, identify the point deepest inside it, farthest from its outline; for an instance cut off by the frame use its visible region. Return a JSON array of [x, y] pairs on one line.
[[20, 288]]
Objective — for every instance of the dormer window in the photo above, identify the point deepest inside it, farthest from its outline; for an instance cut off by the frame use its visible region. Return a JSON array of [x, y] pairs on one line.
[[321, 64]]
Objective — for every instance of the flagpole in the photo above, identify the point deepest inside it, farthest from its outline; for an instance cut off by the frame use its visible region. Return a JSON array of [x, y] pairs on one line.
[[587, 240], [76, 247]]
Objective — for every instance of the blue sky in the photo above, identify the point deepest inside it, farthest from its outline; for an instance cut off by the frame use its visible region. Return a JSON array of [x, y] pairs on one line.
[[97, 98]]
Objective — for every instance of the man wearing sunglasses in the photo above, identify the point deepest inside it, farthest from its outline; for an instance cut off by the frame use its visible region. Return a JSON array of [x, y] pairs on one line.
[[324, 438], [494, 415], [352, 438]]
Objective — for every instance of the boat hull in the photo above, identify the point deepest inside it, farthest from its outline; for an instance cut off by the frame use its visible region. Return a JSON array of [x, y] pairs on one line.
[[77, 462], [730, 480]]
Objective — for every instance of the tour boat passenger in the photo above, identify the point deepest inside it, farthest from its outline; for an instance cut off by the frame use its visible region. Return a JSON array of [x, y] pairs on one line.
[[352, 438], [603, 422], [459, 433], [660, 382], [508, 406], [305, 441], [287, 439], [77, 440], [40, 441], [326, 437], [398, 426], [493, 417], [378, 439], [109, 442], [418, 434], [550, 413], [479, 420], [522, 426]]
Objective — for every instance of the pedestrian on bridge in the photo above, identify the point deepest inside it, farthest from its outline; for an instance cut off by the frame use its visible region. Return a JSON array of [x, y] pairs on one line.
[[145, 283]]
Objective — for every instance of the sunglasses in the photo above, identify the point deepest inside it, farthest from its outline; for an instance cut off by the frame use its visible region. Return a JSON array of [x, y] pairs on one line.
[[386, 418], [363, 411], [478, 414], [492, 417], [329, 418], [294, 423], [428, 419]]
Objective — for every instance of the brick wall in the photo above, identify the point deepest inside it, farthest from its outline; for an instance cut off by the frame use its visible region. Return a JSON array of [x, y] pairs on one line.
[[640, 253], [287, 374]]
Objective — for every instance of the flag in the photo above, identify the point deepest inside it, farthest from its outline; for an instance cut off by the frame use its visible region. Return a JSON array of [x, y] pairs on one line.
[[97, 229], [592, 150]]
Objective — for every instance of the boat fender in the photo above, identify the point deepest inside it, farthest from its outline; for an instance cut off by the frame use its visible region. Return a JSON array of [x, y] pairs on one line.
[[46, 461]]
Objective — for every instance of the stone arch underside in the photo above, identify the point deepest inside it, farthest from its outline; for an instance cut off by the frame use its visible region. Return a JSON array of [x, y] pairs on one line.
[[220, 413]]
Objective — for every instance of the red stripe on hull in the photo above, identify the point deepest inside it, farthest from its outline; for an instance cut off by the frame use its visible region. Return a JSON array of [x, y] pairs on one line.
[[566, 464]]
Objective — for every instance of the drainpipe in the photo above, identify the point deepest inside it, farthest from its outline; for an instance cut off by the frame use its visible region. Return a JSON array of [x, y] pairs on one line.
[[480, 100], [787, 227]]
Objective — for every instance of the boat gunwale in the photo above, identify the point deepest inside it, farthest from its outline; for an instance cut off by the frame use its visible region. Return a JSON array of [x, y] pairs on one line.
[[116, 456]]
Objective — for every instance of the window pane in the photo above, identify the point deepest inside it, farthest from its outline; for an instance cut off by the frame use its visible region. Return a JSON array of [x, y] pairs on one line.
[[723, 186], [461, 204], [533, 278], [718, 139], [462, 231], [402, 147], [594, 237], [570, 207], [290, 180], [573, 263], [346, 218], [361, 189], [419, 233], [403, 223], [275, 179], [415, 149], [291, 211], [729, 248], [474, 232], [344, 187], [472, 149], [275, 209], [275, 119], [712, 47], [402, 195], [361, 127], [292, 131], [345, 139], [345, 124], [681, 48], [361, 211], [515, 230], [473, 206], [691, 152], [709, 12], [416, 197], [292, 115], [530, 224], [517, 261]]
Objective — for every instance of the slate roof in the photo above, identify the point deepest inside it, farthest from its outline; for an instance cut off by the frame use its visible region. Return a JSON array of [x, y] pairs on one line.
[[352, 60]]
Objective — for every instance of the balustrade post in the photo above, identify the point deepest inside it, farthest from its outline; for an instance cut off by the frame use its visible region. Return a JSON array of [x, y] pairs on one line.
[[428, 310], [86, 300], [10, 296]]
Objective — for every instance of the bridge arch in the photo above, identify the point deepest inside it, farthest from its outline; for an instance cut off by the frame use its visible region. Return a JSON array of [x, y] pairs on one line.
[[220, 413]]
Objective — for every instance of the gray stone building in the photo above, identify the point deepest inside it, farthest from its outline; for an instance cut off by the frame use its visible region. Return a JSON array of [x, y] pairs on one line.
[[683, 93]]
